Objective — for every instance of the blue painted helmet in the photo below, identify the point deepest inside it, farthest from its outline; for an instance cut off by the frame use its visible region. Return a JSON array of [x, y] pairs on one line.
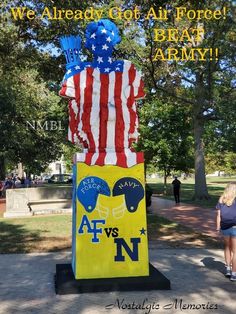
[[132, 190], [88, 191]]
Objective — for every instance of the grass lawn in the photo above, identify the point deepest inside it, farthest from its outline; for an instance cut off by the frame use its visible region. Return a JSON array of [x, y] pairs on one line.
[[215, 185], [35, 234], [53, 233]]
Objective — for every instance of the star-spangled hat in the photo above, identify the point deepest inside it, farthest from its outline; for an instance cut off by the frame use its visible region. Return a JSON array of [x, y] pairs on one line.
[[101, 37], [71, 46]]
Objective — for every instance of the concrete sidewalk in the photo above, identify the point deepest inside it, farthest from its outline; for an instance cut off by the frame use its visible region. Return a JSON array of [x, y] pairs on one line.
[[27, 286], [200, 219]]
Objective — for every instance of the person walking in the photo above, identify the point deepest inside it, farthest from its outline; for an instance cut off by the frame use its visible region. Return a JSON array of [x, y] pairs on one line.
[[226, 224], [176, 189]]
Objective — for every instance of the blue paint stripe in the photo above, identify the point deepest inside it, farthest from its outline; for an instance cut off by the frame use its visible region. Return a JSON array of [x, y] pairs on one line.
[[74, 220]]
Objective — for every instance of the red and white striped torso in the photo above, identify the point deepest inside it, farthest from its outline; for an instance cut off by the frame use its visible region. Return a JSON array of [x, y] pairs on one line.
[[102, 113]]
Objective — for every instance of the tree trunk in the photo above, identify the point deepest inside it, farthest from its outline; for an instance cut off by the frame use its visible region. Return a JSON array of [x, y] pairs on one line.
[[165, 183], [2, 167], [201, 191]]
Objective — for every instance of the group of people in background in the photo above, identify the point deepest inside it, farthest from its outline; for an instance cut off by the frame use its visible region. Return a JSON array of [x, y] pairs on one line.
[[12, 182]]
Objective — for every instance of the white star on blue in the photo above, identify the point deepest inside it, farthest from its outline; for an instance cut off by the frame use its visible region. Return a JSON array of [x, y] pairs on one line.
[[100, 60], [105, 47]]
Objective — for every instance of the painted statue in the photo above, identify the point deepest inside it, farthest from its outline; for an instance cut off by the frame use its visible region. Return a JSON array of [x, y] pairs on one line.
[[103, 92], [109, 236]]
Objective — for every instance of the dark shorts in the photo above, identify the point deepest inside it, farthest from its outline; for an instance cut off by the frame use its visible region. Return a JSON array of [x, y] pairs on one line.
[[231, 232]]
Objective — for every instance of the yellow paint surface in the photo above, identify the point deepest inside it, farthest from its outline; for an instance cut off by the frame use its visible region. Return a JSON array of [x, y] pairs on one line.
[[97, 260]]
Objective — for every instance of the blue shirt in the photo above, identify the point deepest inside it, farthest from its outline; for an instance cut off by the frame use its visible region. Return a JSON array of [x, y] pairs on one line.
[[227, 215]]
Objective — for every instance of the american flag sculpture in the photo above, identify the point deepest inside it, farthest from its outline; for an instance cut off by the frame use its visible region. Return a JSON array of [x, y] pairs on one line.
[[102, 93], [109, 183]]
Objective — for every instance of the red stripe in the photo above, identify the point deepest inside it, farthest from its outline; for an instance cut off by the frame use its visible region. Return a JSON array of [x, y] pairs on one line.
[[141, 92], [88, 158], [62, 92], [121, 160], [88, 94], [140, 158], [76, 79], [104, 78], [74, 117], [72, 121], [131, 141], [130, 100], [101, 159], [120, 125]]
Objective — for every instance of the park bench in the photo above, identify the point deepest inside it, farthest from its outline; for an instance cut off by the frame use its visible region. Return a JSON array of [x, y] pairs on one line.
[[48, 201]]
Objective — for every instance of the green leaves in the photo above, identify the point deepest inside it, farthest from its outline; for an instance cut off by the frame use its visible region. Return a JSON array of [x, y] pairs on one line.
[[166, 136]]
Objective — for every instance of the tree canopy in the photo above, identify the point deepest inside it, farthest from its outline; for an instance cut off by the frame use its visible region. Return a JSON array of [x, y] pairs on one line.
[[192, 101]]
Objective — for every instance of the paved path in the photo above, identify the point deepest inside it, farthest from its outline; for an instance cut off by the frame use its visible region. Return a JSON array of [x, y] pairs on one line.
[[27, 286], [198, 218]]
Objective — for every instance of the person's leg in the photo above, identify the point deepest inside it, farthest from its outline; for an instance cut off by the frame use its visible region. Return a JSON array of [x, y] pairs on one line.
[[175, 195], [227, 253], [178, 196], [233, 251]]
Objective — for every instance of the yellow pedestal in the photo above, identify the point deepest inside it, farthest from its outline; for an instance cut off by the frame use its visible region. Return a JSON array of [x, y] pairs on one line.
[[109, 227]]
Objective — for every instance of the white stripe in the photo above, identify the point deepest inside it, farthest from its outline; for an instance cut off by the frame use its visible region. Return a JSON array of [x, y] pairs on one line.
[[74, 106], [136, 83], [135, 134], [126, 114], [94, 158], [70, 87], [69, 134], [110, 159], [79, 157], [73, 136], [111, 123], [83, 76], [131, 158], [95, 110]]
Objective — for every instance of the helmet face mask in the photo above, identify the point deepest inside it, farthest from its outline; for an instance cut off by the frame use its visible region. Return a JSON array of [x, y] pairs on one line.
[[119, 211], [111, 206], [101, 206]]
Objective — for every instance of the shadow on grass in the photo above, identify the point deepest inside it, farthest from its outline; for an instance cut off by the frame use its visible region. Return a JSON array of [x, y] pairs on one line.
[[16, 239]]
